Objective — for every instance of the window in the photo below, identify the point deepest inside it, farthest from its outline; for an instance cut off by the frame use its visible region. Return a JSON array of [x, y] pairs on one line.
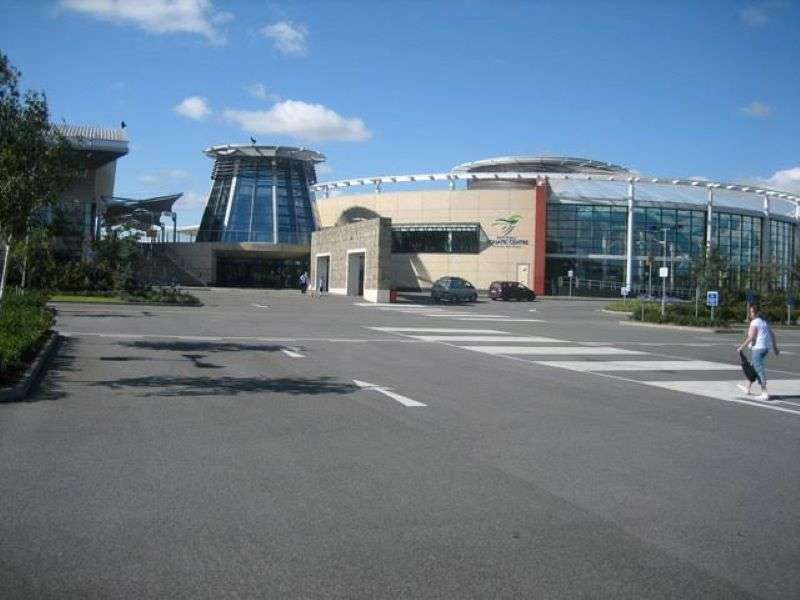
[[442, 239]]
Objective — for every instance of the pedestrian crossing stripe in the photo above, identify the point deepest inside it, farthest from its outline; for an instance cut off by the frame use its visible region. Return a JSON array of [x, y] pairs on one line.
[[533, 350], [498, 320], [488, 338], [436, 330], [784, 393], [639, 365]]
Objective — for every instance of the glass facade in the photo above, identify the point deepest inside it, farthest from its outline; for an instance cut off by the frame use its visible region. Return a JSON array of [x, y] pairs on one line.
[[590, 239], [738, 238], [248, 191], [444, 239], [586, 229], [260, 272]]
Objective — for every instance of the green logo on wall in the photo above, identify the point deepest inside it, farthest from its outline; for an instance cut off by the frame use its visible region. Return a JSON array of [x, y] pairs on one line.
[[507, 224]]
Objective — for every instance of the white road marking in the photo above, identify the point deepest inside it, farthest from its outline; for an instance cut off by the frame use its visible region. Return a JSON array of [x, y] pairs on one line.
[[390, 304], [499, 320], [532, 310], [727, 391], [408, 309], [435, 330], [387, 392], [259, 306], [291, 353], [598, 350], [486, 338], [639, 365]]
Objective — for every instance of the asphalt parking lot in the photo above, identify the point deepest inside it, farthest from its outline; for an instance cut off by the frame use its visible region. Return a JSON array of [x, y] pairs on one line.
[[269, 444]]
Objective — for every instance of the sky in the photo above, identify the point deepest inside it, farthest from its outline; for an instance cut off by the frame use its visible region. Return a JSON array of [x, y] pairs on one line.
[[686, 89]]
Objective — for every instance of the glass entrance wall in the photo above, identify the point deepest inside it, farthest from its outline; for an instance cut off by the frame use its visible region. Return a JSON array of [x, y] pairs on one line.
[[248, 271], [589, 239], [251, 184]]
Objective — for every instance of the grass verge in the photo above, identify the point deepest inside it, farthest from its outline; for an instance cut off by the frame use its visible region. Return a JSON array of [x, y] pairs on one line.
[[149, 296], [24, 323], [85, 298]]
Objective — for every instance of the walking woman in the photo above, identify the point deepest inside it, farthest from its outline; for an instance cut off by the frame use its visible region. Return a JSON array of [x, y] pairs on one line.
[[761, 340]]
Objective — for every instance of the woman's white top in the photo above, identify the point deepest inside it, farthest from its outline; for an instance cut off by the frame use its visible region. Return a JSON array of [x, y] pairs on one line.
[[763, 334]]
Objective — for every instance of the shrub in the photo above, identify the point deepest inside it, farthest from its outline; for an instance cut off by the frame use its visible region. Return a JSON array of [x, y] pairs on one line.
[[24, 322], [164, 295]]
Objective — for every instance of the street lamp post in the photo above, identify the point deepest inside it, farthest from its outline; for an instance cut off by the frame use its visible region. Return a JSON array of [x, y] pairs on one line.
[[664, 230]]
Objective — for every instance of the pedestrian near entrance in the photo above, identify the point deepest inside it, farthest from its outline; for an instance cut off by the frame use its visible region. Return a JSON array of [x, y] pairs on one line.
[[323, 285], [761, 340], [303, 282]]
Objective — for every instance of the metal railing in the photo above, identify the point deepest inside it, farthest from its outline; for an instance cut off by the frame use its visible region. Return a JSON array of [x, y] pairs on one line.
[[612, 289], [238, 236]]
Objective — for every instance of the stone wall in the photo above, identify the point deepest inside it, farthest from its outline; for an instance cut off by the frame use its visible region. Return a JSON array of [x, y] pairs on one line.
[[504, 256], [373, 237]]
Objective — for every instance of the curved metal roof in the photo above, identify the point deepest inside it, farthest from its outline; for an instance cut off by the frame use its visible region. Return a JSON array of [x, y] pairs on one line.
[[590, 185], [539, 164], [255, 151], [100, 145], [143, 212]]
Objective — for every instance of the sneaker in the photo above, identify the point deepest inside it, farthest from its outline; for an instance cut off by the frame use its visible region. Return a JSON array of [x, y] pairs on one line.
[[744, 388], [764, 396]]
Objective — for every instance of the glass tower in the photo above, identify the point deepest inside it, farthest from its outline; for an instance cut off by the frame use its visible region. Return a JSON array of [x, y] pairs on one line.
[[260, 194]]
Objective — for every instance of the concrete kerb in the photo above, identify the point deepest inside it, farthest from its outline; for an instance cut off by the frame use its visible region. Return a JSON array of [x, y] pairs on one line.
[[56, 302], [21, 389], [682, 327]]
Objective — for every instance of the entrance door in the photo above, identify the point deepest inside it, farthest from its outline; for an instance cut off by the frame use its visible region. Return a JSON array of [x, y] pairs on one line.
[[523, 274], [322, 274], [355, 274]]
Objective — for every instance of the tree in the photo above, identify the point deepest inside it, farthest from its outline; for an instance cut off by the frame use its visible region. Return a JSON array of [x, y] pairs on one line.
[[36, 161]]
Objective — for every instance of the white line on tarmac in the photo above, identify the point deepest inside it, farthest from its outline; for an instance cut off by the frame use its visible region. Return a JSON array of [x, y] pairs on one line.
[[435, 330], [291, 353], [390, 304], [486, 338], [499, 320], [639, 365], [387, 392], [157, 336], [582, 350], [727, 391], [259, 306]]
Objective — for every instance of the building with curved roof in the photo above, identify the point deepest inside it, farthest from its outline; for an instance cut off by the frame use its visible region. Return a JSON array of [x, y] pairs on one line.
[[542, 220], [260, 194]]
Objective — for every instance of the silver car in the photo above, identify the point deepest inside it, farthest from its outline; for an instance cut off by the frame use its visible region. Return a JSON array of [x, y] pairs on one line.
[[453, 289]]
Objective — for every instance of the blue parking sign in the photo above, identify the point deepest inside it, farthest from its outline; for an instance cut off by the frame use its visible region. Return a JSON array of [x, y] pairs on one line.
[[712, 299]]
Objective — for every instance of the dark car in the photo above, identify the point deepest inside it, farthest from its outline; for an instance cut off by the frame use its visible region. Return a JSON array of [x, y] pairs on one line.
[[510, 290], [453, 289]]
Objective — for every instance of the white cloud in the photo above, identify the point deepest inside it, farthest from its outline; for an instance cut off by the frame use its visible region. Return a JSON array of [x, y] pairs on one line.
[[757, 109], [300, 120], [323, 169], [193, 107], [757, 14], [753, 16], [787, 180], [157, 16], [260, 91], [162, 177], [287, 38], [190, 201]]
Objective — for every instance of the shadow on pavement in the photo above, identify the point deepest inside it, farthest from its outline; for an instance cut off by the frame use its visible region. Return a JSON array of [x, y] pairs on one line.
[[105, 315], [200, 346], [167, 386], [50, 385]]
